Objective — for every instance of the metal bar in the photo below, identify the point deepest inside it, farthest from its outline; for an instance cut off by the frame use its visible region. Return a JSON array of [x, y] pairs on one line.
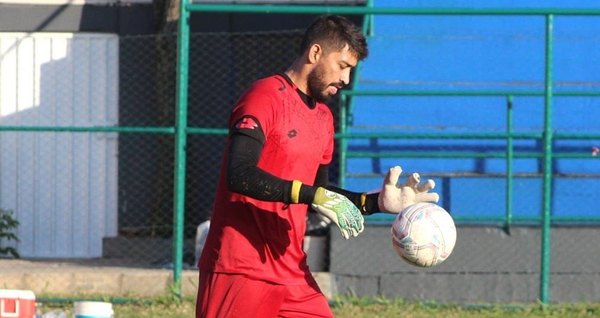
[[408, 135], [498, 219], [521, 219], [208, 131], [558, 135], [343, 142], [509, 161], [307, 9], [473, 93], [465, 154], [547, 186], [350, 135], [574, 155], [439, 154], [183, 41], [106, 129], [369, 21], [472, 175], [475, 135]]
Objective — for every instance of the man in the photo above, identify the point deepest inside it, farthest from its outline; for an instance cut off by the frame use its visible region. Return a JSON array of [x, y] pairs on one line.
[[275, 165]]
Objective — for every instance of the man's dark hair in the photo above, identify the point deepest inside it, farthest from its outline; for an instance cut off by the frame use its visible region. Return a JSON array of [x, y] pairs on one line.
[[333, 32]]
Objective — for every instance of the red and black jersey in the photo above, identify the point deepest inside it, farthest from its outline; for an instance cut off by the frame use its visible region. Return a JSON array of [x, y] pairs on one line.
[[263, 239]]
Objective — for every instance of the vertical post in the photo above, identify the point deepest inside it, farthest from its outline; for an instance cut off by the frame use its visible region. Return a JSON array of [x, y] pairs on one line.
[[343, 140], [547, 187], [509, 163], [183, 40], [368, 23], [347, 103]]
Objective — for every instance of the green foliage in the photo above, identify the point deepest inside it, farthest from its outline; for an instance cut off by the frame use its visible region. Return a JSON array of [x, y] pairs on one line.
[[8, 226], [171, 297]]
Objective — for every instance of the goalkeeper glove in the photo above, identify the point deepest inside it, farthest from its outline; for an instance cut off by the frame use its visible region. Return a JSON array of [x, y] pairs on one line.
[[336, 207], [394, 198]]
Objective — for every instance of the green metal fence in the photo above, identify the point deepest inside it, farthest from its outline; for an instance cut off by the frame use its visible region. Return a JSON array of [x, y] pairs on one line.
[[178, 131], [547, 135]]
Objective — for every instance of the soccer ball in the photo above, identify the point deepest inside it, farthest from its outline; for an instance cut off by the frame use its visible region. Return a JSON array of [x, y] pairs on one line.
[[423, 234]]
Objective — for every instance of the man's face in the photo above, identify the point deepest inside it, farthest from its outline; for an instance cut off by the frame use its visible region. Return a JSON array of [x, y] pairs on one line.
[[330, 74]]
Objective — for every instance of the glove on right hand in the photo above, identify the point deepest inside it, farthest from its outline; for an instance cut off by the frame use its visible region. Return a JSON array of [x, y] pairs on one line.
[[394, 198], [340, 210]]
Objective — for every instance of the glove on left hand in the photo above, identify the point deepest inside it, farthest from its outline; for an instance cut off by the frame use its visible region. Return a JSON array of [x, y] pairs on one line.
[[340, 210]]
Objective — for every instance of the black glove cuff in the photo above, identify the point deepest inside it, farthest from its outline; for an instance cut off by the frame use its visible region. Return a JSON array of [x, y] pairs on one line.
[[307, 194]]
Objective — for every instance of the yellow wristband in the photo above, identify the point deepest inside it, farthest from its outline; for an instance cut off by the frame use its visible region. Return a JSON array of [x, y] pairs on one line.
[[296, 191], [363, 201]]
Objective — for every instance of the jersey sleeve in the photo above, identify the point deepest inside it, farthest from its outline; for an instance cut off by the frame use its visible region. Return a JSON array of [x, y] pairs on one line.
[[252, 115]]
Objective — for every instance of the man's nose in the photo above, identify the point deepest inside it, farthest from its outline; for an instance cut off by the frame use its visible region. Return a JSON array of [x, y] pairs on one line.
[[345, 77]]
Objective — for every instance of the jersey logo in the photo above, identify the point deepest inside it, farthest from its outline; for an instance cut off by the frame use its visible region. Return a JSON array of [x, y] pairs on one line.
[[246, 123], [292, 133]]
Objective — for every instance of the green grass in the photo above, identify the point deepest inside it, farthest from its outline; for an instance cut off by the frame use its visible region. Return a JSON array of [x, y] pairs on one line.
[[354, 307], [379, 307]]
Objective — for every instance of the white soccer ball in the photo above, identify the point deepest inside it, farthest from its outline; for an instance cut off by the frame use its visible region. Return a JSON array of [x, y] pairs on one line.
[[423, 234]]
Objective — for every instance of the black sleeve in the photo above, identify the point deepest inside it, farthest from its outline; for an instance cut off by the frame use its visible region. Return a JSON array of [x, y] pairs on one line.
[[322, 178], [243, 175], [371, 204]]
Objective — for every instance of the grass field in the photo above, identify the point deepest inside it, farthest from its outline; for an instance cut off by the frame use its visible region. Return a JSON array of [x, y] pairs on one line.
[[361, 308]]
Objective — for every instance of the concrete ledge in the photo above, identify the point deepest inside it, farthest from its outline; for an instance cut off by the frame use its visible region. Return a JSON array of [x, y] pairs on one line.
[[101, 281], [81, 279]]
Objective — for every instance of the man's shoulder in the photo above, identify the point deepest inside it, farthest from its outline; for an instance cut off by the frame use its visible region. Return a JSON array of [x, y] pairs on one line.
[[271, 83]]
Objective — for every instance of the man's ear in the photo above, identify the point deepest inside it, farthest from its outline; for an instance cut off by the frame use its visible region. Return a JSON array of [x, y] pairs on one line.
[[314, 53]]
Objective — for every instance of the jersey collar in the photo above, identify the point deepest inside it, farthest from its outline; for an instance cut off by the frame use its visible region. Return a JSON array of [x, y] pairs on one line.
[[308, 101]]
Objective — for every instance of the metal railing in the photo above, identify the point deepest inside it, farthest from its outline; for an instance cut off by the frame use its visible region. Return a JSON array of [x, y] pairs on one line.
[[547, 135]]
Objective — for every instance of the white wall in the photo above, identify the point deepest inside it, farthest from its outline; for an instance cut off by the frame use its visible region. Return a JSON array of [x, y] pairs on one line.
[[62, 186]]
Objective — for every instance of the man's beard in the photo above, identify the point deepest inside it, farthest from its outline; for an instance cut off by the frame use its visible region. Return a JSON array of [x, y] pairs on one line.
[[317, 88]]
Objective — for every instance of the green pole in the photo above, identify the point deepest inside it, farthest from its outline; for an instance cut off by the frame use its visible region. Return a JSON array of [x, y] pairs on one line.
[[183, 41], [312, 9], [509, 162], [347, 106], [545, 255], [369, 23], [343, 141]]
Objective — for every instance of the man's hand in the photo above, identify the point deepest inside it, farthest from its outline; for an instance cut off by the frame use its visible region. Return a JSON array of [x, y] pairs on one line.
[[340, 210], [394, 198]]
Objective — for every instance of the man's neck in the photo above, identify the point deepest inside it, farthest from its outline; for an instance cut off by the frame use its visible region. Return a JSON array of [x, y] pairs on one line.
[[297, 75], [308, 101]]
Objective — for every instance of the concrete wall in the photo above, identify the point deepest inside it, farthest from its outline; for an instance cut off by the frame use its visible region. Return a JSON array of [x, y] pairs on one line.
[[62, 188], [487, 265]]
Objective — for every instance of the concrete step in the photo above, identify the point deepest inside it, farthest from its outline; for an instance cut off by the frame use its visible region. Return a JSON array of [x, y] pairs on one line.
[[101, 277]]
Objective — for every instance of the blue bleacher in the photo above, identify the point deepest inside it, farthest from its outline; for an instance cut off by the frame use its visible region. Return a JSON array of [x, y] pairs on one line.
[[481, 53]]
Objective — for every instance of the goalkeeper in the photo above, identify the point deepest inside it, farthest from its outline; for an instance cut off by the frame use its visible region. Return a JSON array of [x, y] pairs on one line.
[[274, 168]]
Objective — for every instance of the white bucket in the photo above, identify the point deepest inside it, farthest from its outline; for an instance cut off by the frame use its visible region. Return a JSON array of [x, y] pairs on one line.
[[93, 309]]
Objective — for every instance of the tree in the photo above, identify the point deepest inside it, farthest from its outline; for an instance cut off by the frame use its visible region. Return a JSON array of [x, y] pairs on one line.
[[167, 18], [8, 226]]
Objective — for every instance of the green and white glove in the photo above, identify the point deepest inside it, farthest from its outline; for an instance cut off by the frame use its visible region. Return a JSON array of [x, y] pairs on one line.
[[340, 210], [394, 198]]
